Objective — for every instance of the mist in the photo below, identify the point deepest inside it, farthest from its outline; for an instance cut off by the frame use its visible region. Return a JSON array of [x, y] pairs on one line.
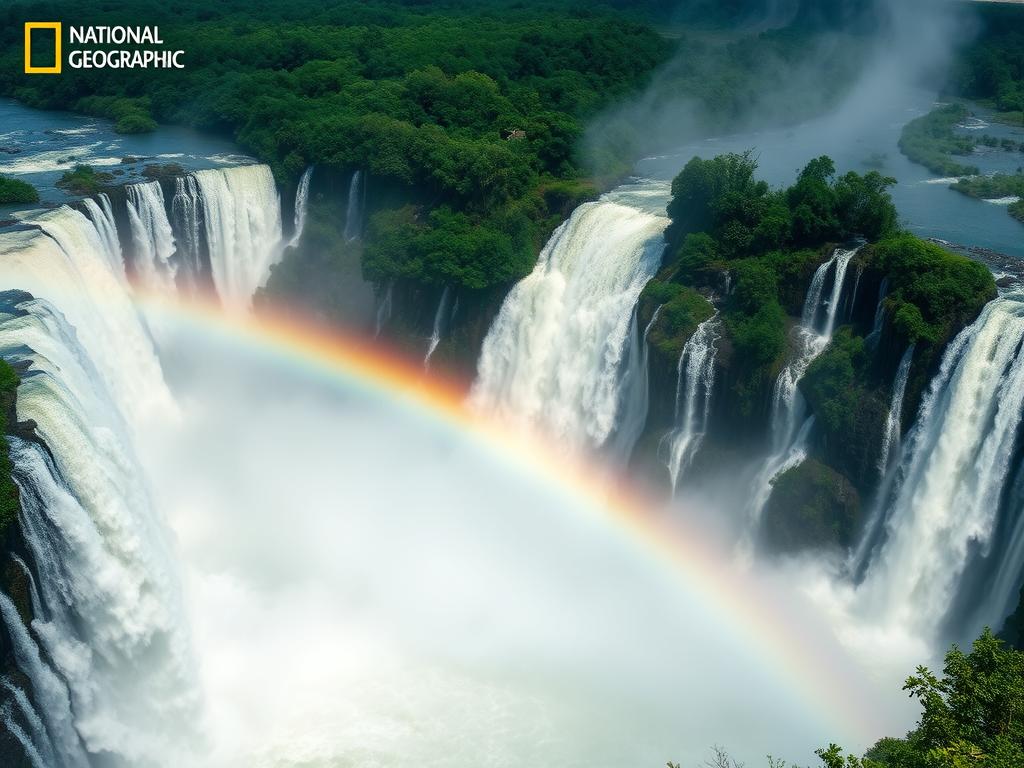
[[403, 594], [842, 64]]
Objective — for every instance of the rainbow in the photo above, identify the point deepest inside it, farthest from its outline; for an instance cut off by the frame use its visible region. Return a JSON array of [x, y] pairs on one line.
[[815, 671]]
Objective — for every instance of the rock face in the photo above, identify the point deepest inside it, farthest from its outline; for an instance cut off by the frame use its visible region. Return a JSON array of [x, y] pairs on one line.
[[811, 506]]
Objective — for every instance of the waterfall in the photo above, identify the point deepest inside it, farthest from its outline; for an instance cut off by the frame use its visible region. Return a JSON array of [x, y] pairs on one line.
[[876, 330], [187, 216], [152, 237], [787, 405], [439, 318], [301, 201], [107, 654], [102, 218], [354, 213], [953, 474], [789, 426], [694, 385], [893, 424], [384, 309], [555, 356], [634, 394], [243, 229]]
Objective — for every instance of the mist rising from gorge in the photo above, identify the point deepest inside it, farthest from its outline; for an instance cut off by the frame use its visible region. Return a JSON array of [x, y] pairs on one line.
[[847, 63]]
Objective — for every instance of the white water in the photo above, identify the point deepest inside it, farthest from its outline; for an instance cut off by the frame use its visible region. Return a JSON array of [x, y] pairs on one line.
[[894, 421], [102, 218], [469, 615], [790, 430], [438, 329], [152, 237], [354, 212], [186, 215], [384, 309], [876, 331], [301, 202], [695, 382], [243, 229], [953, 472], [555, 356]]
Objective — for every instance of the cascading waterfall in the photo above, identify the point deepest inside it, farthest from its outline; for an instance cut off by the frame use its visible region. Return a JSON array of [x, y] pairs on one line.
[[384, 309], [695, 382], [186, 214], [789, 428], [102, 217], [243, 229], [894, 421], [354, 211], [953, 475], [438, 329], [106, 655], [876, 331], [301, 202], [152, 237], [556, 354]]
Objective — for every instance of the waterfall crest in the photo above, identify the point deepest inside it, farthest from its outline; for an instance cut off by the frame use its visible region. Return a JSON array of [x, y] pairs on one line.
[[243, 229], [554, 356], [108, 632], [152, 237]]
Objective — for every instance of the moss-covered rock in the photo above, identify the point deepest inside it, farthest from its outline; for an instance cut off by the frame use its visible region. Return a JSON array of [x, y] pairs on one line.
[[811, 507], [680, 310]]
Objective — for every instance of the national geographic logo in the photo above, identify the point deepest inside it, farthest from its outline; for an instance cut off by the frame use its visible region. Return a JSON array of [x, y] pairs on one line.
[[139, 52]]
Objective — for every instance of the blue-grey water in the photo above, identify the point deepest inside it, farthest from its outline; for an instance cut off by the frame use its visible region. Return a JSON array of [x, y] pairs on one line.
[[38, 147], [868, 140]]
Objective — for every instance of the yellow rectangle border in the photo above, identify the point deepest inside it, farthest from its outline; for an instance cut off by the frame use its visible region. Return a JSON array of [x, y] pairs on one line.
[[31, 25]]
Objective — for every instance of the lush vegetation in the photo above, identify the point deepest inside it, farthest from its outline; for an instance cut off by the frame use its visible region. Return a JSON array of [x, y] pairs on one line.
[[84, 180], [680, 310], [15, 191], [416, 94], [932, 292], [995, 187], [991, 70], [9, 504], [725, 220], [972, 716], [932, 141], [754, 250]]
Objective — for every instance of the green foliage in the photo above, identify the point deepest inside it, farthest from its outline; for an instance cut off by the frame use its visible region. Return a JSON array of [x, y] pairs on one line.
[[992, 67], [448, 247], [15, 191], [932, 292], [723, 199], [9, 503], [682, 310], [811, 506], [994, 187], [973, 714], [84, 180], [931, 141], [416, 94], [833, 383]]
